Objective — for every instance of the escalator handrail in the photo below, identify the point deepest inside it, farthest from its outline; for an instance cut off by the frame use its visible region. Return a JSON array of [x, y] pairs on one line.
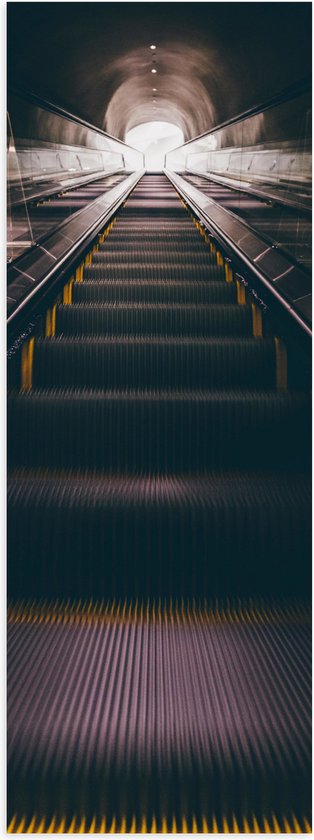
[[198, 202], [252, 189], [56, 188], [118, 196]]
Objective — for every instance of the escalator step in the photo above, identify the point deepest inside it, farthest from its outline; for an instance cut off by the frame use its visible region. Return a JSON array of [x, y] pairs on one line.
[[161, 271], [154, 234], [153, 245], [157, 431], [157, 362], [169, 257], [126, 683], [81, 535], [147, 319], [95, 291]]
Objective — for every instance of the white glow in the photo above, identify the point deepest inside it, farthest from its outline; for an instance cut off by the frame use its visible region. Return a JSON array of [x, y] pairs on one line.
[[155, 139], [153, 70], [153, 47]]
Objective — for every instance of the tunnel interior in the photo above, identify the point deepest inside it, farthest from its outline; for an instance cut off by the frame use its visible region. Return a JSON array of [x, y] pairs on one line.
[[95, 59]]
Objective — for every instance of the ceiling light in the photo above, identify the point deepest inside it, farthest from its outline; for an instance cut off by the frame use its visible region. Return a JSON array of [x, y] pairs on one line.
[[153, 70], [153, 47]]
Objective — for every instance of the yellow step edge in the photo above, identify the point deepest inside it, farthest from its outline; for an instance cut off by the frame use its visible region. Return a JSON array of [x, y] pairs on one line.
[[79, 273], [229, 274], [11, 825], [61, 827], [241, 294], [124, 612], [281, 365], [133, 826], [68, 292], [235, 827], [48, 324], [257, 321], [53, 320], [72, 827], [52, 827], [215, 829], [154, 826], [31, 827], [276, 826], [27, 358], [256, 828], [82, 826]]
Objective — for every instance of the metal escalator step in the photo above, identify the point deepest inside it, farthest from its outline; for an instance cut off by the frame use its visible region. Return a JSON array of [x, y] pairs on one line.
[[154, 233], [97, 291], [202, 259], [151, 319], [130, 244], [153, 271], [84, 535], [126, 683], [171, 432], [157, 362]]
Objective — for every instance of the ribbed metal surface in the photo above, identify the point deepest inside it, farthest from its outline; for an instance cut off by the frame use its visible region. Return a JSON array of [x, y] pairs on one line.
[[204, 697], [93, 291], [154, 319], [154, 361], [155, 431]]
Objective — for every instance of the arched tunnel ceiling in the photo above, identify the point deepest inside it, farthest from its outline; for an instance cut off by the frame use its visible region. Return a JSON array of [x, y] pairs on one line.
[[213, 60]]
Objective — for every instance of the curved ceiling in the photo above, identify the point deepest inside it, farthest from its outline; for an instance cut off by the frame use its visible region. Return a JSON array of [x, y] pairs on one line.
[[213, 60]]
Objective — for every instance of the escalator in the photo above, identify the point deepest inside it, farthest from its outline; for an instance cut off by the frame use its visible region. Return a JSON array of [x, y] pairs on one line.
[[159, 508], [290, 228], [48, 212]]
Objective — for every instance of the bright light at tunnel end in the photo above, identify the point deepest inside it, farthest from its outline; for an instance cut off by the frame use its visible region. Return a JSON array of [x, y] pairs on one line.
[[155, 139]]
